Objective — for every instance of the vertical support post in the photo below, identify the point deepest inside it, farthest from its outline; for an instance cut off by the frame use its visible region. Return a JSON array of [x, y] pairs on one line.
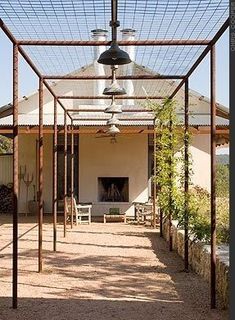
[[55, 138], [40, 175], [161, 222], [72, 172], [15, 177], [65, 170], [171, 186], [186, 175], [154, 174], [161, 212], [213, 174]]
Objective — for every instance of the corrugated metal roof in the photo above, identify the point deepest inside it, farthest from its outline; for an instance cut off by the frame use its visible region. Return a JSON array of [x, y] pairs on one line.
[[99, 119]]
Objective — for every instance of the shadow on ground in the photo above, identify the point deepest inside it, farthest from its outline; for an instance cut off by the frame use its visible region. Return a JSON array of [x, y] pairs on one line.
[[102, 274]]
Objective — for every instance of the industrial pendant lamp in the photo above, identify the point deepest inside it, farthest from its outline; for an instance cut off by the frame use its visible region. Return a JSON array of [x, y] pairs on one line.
[[113, 120], [113, 130], [113, 108], [114, 55], [114, 88]]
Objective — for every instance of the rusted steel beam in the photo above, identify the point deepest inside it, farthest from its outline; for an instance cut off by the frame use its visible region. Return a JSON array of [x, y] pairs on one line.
[[154, 174], [55, 139], [213, 177], [163, 42], [65, 171], [186, 174], [8, 32], [15, 176], [110, 97], [103, 119], [131, 77], [72, 173], [82, 131], [100, 110], [201, 57], [40, 175]]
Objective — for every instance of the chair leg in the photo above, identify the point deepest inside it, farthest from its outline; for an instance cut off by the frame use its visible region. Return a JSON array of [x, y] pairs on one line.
[[124, 218], [104, 218]]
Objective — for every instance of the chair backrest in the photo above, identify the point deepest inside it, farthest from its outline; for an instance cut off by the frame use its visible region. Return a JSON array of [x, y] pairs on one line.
[[68, 205], [114, 210]]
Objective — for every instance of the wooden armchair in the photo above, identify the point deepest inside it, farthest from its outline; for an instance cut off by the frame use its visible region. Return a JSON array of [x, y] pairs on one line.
[[79, 211]]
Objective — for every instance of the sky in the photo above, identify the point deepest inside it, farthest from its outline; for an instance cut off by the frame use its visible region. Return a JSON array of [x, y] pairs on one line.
[[199, 81]]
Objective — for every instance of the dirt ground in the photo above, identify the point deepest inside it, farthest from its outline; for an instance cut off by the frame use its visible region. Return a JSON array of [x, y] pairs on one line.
[[100, 272]]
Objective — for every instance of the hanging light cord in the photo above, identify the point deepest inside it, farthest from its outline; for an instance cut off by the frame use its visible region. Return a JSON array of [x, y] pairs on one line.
[[114, 23]]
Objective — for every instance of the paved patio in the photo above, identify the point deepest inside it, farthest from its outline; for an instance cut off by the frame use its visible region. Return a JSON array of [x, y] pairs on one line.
[[111, 271]]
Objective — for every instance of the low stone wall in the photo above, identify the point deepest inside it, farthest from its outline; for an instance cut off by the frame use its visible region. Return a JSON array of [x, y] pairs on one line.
[[199, 260]]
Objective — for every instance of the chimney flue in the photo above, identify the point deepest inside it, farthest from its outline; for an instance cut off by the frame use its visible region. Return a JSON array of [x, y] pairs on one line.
[[99, 35], [128, 34]]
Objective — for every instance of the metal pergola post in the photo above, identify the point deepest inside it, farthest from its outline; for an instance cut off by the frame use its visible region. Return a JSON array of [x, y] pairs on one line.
[[161, 222], [15, 176], [40, 175], [65, 170], [213, 176], [171, 186], [72, 173], [154, 174], [55, 138], [186, 174]]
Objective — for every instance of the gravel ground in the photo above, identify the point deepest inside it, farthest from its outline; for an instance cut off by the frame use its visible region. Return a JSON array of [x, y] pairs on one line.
[[100, 272]]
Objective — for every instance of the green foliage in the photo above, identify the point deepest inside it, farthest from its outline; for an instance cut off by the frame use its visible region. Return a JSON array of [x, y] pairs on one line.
[[5, 145], [222, 210], [199, 216], [170, 178], [222, 180], [168, 142]]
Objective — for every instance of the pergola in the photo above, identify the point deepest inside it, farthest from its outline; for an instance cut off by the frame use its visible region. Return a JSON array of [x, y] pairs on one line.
[[53, 36]]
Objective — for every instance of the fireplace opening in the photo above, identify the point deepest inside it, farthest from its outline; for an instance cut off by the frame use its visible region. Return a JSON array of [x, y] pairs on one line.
[[113, 189]]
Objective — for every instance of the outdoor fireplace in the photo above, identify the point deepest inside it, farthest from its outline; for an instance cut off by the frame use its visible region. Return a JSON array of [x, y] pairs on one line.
[[113, 189]]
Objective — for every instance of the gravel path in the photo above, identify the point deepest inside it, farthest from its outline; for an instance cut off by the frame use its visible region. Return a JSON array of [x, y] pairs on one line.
[[100, 272]]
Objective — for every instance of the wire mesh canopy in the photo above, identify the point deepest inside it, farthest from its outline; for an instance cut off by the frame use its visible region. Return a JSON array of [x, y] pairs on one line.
[[70, 20]]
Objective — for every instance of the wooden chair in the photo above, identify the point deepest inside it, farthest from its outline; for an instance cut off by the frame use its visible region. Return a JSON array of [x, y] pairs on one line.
[[114, 214], [79, 211], [144, 212]]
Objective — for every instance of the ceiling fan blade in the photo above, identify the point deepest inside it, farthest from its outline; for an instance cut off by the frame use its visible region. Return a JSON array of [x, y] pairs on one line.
[[103, 136], [101, 131]]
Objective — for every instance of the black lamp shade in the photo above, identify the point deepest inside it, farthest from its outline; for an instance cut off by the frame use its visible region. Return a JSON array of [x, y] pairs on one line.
[[114, 55]]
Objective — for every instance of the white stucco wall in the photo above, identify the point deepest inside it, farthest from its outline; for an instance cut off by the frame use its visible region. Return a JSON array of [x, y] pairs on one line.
[[27, 157], [200, 151], [99, 158], [126, 158]]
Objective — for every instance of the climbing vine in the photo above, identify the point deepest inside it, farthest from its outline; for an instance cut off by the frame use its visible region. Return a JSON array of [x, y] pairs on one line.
[[170, 176], [169, 157]]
